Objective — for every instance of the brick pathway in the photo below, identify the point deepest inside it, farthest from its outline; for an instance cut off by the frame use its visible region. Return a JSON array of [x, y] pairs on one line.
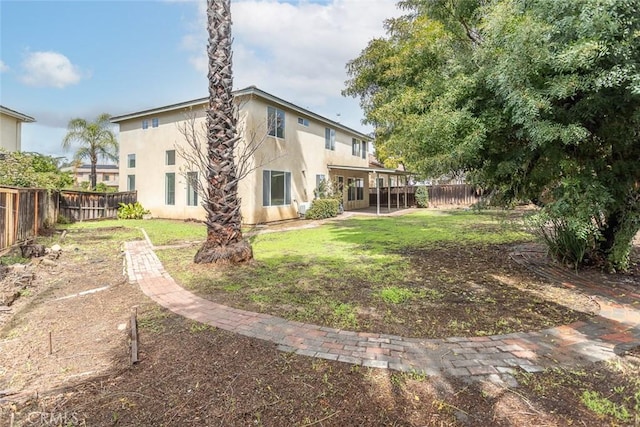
[[493, 358]]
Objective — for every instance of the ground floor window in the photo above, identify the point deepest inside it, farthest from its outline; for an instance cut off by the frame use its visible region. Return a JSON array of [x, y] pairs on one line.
[[170, 188], [192, 188], [356, 189], [276, 188], [131, 182]]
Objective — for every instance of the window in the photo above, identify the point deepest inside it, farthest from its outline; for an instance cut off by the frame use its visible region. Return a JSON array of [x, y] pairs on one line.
[[356, 189], [341, 184], [319, 192], [351, 189], [170, 188], [276, 188], [364, 149], [145, 124], [330, 139], [155, 122], [275, 121], [303, 122], [170, 157], [131, 160], [192, 188], [105, 177], [359, 189], [380, 182], [355, 147], [131, 182]]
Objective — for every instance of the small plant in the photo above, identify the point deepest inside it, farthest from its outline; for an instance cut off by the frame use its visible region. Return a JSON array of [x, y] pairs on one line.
[[603, 406], [132, 211], [422, 196], [65, 220], [396, 295]]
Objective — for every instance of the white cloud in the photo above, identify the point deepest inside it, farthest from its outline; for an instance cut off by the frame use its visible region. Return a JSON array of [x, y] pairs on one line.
[[297, 51], [3, 67], [49, 69]]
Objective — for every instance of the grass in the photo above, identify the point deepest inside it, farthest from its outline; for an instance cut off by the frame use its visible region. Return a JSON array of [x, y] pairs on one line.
[[336, 274]]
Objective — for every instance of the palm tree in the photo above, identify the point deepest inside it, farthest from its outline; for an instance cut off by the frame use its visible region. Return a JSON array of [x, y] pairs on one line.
[[224, 236], [96, 139]]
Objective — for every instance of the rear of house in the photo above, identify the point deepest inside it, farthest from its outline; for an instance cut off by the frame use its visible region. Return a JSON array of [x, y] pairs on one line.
[[287, 150]]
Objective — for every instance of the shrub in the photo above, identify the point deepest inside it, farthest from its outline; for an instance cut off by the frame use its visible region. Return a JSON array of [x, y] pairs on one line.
[[131, 211], [323, 208], [422, 197]]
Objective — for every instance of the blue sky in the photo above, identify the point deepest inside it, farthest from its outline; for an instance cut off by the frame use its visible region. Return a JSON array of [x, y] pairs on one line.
[[65, 59]]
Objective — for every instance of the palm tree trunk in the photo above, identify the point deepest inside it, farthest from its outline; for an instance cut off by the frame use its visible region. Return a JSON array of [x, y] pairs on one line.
[[93, 177], [224, 236]]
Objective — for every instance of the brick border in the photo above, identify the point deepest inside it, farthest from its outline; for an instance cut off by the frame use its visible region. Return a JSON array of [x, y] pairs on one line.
[[493, 358]]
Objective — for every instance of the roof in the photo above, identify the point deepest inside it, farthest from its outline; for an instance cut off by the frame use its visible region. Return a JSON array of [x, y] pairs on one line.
[[248, 91], [16, 114], [370, 169]]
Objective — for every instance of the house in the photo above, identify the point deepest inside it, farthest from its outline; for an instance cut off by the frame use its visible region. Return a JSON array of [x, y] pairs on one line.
[[11, 128], [287, 152], [107, 174]]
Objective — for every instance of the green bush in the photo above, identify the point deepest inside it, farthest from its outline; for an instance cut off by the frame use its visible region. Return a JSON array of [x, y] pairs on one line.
[[422, 196], [323, 208], [131, 211]]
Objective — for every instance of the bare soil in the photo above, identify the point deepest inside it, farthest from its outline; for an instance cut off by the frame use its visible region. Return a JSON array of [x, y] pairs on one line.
[[190, 374]]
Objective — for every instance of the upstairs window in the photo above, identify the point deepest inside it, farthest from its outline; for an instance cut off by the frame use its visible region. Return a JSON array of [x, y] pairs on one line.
[[275, 122], [131, 160], [330, 139], [303, 122], [155, 122], [170, 157], [364, 149], [355, 147], [145, 124]]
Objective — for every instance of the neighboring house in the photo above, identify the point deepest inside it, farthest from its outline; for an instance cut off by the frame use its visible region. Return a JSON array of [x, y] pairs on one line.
[[292, 150], [11, 128], [107, 174]]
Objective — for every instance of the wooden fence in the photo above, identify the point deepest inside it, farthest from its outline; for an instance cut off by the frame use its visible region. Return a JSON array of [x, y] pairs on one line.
[[439, 195], [26, 211], [85, 205], [23, 213]]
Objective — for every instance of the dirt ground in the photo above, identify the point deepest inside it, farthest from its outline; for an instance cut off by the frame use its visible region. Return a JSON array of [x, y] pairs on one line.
[[65, 360]]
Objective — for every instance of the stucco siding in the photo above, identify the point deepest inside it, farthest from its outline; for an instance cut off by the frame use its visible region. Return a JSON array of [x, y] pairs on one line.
[[10, 137], [300, 155]]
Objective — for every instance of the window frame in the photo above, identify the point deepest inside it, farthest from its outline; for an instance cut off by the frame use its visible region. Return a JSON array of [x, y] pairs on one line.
[[131, 160], [303, 122], [192, 188], [355, 147], [131, 179], [267, 187], [364, 149], [170, 193], [145, 124], [277, 117], [167, 157], [330, 139], [155, 122]]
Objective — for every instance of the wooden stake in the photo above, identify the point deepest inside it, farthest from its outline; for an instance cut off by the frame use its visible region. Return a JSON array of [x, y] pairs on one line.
[[50, 344], [134, 339]]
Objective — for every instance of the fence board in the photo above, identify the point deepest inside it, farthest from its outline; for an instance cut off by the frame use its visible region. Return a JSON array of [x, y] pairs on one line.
[[84, 205], [439, 195], [26, 211]]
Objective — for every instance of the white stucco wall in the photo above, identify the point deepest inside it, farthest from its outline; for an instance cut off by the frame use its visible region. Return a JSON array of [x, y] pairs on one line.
[[10, 133]]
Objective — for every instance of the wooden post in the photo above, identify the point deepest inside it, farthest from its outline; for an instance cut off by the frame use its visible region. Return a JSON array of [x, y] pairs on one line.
[[134, 339], [50, 344]]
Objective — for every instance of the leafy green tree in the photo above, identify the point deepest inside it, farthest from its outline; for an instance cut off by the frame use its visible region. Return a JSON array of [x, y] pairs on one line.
[[32, 170], [535, 99], [224, 221], [96, 141]]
